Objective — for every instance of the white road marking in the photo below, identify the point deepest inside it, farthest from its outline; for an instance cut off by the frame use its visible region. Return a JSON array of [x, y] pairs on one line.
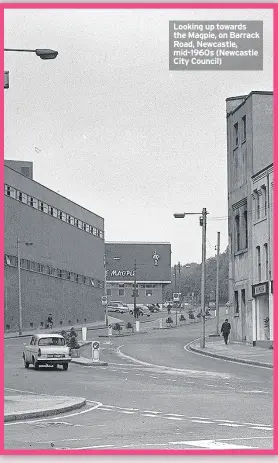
[[105, 409], [262, 427], [128, 408], [232, 425], [211, 444], [227, 421], [125, 411], [199, 418], [173, 414], [199, 421], [254, 392], [152, 416], [173, 418]]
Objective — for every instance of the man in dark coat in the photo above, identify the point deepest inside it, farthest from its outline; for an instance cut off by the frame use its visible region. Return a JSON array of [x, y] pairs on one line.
[[225, 330]]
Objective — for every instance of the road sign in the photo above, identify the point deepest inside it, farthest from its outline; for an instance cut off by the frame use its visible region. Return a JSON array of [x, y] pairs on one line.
[[96, 345], [104, 300], [176, 297]]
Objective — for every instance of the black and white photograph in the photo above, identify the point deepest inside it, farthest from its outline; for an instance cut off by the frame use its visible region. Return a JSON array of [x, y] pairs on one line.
[[138, 230]]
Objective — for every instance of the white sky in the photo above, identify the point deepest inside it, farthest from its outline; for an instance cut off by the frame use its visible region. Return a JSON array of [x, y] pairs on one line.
[[116, 131]]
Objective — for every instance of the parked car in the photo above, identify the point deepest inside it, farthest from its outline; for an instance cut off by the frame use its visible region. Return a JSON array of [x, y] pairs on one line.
[[153, 308], [117, 307], [142, 310], [47, 349], [119, 302]]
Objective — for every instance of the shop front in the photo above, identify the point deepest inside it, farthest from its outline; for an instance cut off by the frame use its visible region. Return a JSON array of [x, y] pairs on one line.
[[262, 314]]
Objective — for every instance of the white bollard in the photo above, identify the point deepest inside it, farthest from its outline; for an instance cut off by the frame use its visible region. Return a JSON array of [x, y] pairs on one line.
[[95, 351], [137, 325], [109, 330], [160, 323], [84, 333]]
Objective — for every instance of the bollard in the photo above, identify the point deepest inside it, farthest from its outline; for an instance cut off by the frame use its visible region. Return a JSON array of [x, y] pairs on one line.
[[109, 330], [137, 325], [95, 351], [84, 333], [160, 322]]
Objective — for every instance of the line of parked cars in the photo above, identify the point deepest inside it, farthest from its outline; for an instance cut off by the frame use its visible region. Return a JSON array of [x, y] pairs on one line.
[[120, 307]]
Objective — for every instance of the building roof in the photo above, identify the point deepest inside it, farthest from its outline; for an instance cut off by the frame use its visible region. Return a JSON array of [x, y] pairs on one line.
[[245, 97], [52, 191]]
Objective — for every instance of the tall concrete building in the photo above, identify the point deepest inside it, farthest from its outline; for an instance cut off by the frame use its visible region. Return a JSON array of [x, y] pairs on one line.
[[62, 271], [250, 203]]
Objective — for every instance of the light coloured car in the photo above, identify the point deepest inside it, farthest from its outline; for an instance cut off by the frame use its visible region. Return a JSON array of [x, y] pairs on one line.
[[117, 307], [47, 349]]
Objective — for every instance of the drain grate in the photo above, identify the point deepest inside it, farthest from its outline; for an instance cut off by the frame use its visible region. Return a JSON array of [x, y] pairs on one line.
[[51, 424]]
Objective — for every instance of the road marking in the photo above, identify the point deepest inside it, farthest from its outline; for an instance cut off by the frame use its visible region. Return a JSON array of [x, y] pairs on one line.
[[152, 416], [105, 409], [127, 408], [232, 425], [211, 444], [227, 421], [173, 414], [155, 377], [262, 427], [125, 411], [199, 418], [173, 418], [199, 421], [254, 392]]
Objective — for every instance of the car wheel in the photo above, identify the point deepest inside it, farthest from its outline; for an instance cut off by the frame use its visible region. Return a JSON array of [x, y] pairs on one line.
[[55, 366], [65, 366], [26, 364], [36, 365]]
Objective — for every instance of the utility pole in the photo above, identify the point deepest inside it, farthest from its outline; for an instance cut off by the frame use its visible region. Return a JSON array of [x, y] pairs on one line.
[[134, 289], [179, 271], [217, 283], [203, 223], [175, 275], [19, 288]]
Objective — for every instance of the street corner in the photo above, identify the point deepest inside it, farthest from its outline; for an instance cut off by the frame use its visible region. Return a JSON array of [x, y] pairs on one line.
[[26, 406]]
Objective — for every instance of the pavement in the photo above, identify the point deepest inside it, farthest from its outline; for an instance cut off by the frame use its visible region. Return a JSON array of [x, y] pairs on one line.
[[25, 406], [236, 352]]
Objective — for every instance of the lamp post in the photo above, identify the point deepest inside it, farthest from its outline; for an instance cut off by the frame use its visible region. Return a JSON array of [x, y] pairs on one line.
[[134, 289], [105, 287], [18, 242], [203, 223], [41, 53]]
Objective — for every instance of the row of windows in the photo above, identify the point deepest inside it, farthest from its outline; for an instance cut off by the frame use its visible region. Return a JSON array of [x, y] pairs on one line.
[[53, 211], [241, 229], [130, 285], [239, 134], [53, 272], [241, 303], [121, 292]]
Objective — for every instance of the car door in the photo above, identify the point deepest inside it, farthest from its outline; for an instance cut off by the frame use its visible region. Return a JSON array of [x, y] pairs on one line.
[[28, 350]]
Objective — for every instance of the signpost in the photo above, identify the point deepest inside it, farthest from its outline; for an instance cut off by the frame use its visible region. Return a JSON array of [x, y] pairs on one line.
[[95, 351]]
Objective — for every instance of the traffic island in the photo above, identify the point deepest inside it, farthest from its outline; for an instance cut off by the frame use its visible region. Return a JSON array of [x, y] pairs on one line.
[[22, 407], [89, 363]]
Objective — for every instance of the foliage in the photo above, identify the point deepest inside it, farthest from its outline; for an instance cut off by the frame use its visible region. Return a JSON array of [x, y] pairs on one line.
[[190, 279]]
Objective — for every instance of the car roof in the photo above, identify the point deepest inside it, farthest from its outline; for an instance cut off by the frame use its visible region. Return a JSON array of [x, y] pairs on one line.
[[48, 335]]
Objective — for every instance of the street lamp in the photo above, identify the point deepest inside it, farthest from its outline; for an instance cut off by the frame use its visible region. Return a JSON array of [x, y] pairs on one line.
[[42, 53], [203, 223], [105, 301], [18, 242]]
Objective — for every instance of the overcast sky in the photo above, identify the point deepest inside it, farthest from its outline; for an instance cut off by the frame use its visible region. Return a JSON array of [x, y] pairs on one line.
[[110, 127]]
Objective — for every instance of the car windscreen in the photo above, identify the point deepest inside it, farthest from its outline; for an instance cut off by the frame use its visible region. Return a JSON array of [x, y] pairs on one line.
[[51, 342]]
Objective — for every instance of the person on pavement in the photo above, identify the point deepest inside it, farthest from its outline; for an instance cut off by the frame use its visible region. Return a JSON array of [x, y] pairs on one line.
[[225, 330], [49, 321], [169, 309]]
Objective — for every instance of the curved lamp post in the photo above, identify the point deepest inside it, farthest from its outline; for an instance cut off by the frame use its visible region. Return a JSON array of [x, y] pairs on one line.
[[42, 53]]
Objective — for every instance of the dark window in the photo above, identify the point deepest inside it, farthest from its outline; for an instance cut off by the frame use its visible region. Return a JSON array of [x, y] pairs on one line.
[[244, 128], [121, 292], [7, 190], [237, 233], [243, 298], [266, 260], [264, 200], [109, 292], [235, 134], [236, 303], [245, 222], [149, 292]]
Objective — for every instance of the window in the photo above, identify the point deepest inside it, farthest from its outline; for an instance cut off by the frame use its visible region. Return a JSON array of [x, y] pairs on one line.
[[25, 264], [101, 234], [34, 266], [94, 231], [264, 201], [149, 292], [237, 233], [257, 205], [19, 195], [76, 277], [266, 260], [7, 190], [121, 285], [259, 266], [121, 292], [236, 303], [244, 128], [236, 135], [109, 292], [52, 211], [33, 202], [243, 299], [245, 224]]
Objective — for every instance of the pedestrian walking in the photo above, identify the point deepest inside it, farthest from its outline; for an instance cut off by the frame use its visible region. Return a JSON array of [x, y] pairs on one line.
[[225, 330], [136, 312], [169, 309]]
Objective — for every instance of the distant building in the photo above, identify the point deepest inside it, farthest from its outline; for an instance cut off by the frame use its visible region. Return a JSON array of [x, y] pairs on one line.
[[62, 271], [250, 203], [153, 271]]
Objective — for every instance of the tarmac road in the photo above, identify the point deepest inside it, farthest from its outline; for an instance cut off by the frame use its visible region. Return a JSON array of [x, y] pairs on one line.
[[195, 402]]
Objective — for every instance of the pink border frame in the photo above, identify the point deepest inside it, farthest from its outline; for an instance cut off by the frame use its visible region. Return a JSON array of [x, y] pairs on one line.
[[257, 6]]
